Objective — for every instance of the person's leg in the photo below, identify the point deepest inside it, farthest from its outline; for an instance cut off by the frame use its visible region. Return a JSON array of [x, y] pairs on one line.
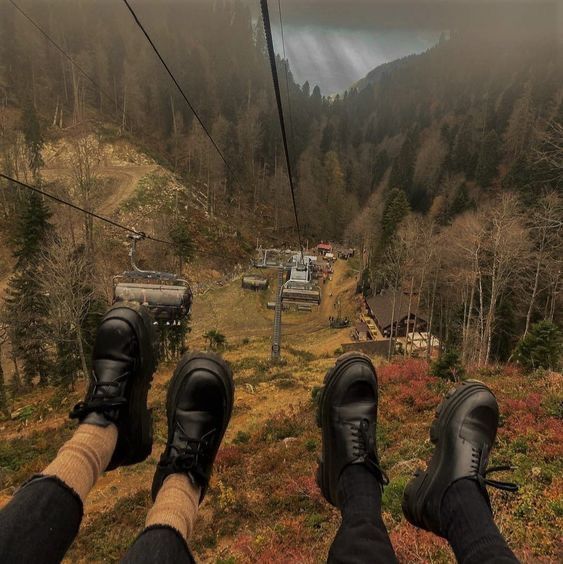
[[470, 528], [349, 473], [40, 522], [199, 406], [362, 536], [42, 519], [450, 497]]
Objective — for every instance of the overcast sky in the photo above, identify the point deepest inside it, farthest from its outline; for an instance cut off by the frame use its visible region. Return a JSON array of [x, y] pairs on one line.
[[335, 58], [334, 43]]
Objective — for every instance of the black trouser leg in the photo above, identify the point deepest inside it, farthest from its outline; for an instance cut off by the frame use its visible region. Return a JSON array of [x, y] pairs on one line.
[[159, 545], [40, 522], [362, 537], [470, 528]]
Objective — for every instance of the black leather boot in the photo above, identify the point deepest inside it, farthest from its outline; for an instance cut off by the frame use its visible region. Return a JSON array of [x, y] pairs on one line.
[[198, 406], [464, 432], [347, 415], [124, 361]]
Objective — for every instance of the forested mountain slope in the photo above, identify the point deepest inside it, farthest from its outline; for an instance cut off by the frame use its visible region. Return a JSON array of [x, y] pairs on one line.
[[474, 105], [443, 170]]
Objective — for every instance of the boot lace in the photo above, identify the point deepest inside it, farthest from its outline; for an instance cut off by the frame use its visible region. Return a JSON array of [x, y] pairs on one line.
[[101, 403], [363, 447], [481, 474], [506, 486], [194, 452]]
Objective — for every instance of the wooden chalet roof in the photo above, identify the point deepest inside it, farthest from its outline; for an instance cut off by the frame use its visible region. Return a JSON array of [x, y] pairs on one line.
[[381, 307]]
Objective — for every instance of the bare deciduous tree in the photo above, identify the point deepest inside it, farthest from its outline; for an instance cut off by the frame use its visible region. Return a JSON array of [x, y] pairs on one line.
[[65, 277], [85, 160], [547, 240]]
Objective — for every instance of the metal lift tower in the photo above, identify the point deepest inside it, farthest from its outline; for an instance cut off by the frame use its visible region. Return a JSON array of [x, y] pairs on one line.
[[276, 341]]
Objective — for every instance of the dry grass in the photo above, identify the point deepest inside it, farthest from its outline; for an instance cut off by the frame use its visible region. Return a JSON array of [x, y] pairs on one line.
[[263, 504]]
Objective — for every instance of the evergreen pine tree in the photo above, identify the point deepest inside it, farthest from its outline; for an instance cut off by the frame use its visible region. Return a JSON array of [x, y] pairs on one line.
[[463, 159], [27, 307], [402, 172], [520, 178], [395, 210], [3, 395], [489, 156], [461, 202], [541, 347], [33, 139], [380, 167]]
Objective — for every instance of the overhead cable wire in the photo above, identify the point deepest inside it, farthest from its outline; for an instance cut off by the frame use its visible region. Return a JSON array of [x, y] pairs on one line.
[[230, 169], [101, 217], [286, 66], [112, 100], [62, 51], [78, 208], [177, 84], [271, 52]]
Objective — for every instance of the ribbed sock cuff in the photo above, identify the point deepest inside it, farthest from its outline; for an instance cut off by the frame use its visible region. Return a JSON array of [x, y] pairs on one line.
[[82, 459], [176, 505]]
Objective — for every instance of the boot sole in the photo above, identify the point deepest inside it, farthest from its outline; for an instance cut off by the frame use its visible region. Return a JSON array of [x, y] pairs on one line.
[[135, 433], [323, 414], [418, 489]]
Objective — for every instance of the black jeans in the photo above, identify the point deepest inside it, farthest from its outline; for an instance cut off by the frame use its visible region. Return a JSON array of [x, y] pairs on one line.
[[41, 521], [363, 538]]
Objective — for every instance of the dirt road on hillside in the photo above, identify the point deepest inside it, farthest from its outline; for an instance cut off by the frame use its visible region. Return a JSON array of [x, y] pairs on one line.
[[127, 177]]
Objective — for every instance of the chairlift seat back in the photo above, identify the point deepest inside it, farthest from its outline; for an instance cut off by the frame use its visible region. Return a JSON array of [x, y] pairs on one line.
[[166, 302]]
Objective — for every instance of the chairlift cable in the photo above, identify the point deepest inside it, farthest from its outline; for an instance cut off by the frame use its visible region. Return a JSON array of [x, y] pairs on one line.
[[286, 66], [78, 208], [112, 100], [177, 84], [270, 43], [102, 218], [233, 175]]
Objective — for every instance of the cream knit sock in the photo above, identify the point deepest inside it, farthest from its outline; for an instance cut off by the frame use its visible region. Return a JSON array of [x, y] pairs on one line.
[[176, 505], [84, 457]]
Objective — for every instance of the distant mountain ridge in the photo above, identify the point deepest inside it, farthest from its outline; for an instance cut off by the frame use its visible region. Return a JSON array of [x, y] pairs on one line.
[[374, 76]]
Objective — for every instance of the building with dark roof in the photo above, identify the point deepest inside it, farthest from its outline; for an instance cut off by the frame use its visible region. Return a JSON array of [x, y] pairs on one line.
[[392, 309]]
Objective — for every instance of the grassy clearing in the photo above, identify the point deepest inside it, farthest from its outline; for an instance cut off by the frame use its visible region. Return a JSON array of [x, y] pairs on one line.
[[22, 457], [263, 504]]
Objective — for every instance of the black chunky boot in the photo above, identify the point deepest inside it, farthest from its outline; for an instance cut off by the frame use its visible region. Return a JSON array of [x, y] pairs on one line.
[[124, 361], [464, 431], [198, 406], [347, 415]]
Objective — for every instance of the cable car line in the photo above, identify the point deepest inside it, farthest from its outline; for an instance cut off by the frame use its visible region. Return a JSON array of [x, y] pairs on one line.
[[286, 67], [112, 100], [63, 52], [180, 89], [87, 212], [190, 105], [102, 218], [270, 43]]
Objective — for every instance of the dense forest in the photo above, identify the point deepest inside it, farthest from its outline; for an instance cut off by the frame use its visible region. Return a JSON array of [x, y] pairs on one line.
[[444, 167]]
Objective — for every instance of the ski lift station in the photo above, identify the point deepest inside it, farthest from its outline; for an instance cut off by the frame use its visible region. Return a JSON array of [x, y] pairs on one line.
[[300, 288]]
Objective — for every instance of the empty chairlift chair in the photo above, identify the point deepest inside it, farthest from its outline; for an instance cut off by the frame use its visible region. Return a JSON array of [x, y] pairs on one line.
[[168, 297]]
